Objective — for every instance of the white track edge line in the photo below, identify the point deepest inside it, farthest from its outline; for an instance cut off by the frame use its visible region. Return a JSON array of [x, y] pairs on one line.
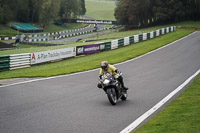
[[140, 119], [97, 68]]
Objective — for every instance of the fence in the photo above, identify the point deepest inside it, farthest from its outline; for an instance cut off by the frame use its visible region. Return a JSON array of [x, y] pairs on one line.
[[55, 35], [16, 61], [19, 61], [26, 60], [4, 63]]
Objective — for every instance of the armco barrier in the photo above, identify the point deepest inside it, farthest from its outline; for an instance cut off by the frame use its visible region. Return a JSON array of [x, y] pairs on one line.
[[26, 60], [120, 43], [114, 44], [131, 39], [136, 38], [20, 61], [140, 37], [107, 46], [148, 36], [126, 41], [144, 36], [154, 34], [4, 63]]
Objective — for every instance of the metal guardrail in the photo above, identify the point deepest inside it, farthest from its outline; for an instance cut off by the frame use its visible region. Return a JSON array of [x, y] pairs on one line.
[[20, 61]]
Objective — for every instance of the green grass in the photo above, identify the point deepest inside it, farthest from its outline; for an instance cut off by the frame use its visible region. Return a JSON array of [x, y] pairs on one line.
[[55, 28], [100, 9], [92, 61], [6, 31], [191, 24], [181, 116]]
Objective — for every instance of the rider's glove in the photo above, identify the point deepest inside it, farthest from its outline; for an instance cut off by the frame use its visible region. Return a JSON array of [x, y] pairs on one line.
[[117, 75]]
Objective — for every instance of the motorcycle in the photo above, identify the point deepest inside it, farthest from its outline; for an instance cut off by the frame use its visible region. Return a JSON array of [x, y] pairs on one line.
[[113, 87]]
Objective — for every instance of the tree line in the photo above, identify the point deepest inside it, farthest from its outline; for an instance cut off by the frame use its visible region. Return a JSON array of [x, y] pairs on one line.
[[40, 11], [142, 13]]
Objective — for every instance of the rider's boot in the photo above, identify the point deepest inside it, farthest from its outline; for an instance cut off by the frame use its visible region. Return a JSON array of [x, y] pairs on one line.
[[124, 88], [122, 82]]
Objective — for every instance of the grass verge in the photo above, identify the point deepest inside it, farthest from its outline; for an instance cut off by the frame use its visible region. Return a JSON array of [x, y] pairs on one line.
[[181, 116], [92, 61]]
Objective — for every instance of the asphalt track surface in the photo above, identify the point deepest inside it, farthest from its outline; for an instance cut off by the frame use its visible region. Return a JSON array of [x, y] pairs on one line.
[[73, 104]]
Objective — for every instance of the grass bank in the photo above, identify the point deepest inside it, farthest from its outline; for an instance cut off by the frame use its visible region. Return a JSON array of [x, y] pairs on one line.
[[181, 116], [92, 61], [100, 9]]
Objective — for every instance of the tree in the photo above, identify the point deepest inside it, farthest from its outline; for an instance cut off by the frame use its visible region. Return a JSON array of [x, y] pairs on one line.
[[141, 13], [49, 11], [7, 11], [34, 10], [70, 9], [83, 9], [133, 13], [22, 11]]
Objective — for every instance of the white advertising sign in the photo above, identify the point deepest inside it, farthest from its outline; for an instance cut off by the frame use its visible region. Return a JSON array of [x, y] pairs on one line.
[[167, 29], [163, 31], [151, 34], [144, 36], [114, 44], [126, 41], [45, 56], [157, 32], [172, 29], [136, 38]]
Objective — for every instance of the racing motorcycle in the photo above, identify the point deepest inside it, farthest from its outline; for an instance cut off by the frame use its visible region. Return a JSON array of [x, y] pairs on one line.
[[113, 87]]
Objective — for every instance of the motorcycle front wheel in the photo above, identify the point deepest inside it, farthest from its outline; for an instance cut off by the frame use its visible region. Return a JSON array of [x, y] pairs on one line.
[[112, 96]]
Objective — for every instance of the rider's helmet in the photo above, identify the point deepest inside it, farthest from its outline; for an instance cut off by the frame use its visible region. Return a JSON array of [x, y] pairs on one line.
[[104, 65]]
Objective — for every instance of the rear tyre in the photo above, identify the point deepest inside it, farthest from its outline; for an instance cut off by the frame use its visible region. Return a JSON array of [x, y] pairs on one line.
[[112, 97]]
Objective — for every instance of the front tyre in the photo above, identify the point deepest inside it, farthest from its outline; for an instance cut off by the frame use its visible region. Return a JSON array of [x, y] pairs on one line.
[[112, 96]]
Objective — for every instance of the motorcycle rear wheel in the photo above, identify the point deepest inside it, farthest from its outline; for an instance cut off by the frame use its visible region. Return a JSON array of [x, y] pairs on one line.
[[112, 96]]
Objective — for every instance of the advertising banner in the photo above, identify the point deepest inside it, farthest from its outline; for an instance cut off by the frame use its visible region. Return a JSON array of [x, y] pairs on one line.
[[172, 28], [167, 29], [91, 49], [107, 45], [102, 46], [144, 36], [126, 41], [87, 21], [157, 32], [79, 50], [45, 56], [136, 38], [163, 31], [114, 44]]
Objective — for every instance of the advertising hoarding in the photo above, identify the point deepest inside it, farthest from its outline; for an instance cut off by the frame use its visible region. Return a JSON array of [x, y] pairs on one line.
[[91, 49], [45, 56]]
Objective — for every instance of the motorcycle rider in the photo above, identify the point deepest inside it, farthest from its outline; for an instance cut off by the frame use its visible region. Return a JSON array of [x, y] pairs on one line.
[[105, 67]]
